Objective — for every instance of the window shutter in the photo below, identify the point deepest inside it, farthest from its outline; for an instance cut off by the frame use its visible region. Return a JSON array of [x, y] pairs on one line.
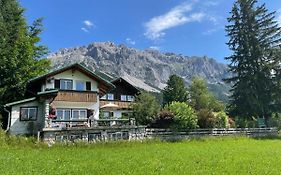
[[88, 86], [57, 84]]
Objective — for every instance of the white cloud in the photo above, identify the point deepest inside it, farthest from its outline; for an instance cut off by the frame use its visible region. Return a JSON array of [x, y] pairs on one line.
[[88, 23], [84, 29], [130, 41], [210, 31], [211, 3], [156, 26], [155, 48]]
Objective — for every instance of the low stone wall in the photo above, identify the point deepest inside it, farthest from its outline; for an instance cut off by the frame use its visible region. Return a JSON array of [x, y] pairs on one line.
[[96, 134], [167, 134]]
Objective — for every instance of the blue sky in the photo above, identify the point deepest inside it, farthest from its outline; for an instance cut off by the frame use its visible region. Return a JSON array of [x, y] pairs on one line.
[[188, 27]]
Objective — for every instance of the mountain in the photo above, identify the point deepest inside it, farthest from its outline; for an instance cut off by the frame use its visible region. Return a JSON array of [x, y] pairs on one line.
[[146, 69]]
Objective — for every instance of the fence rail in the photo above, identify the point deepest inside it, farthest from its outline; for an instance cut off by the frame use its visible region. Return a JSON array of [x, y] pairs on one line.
[[167, 133]]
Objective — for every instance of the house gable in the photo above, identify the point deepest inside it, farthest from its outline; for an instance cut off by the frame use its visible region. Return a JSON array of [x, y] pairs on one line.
[[73, 72]]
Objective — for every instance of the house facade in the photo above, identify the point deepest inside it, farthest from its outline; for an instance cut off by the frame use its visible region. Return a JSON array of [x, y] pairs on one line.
[[61, 98], [117, 103]]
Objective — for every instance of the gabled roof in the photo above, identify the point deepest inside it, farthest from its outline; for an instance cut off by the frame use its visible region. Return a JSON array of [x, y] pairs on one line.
[[104, 85], [122, 79], [19, 102]]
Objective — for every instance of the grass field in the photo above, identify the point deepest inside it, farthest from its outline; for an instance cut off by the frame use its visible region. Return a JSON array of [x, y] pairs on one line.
[[205, 156]]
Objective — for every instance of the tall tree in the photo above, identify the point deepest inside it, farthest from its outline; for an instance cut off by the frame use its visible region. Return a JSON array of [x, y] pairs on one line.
[[19, 52], [201, 98], [175, 90], [145, 108], [253, 33]]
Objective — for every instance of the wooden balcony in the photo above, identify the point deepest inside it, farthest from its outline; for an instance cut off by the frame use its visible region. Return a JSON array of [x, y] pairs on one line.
[[119, 104], [76, 96]]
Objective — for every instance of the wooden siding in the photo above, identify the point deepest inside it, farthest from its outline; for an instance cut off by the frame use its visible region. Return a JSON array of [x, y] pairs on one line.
[[120, 104], [77, 96]]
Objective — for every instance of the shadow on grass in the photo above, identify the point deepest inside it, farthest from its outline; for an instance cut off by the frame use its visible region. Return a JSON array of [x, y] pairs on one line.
[[269, 137]]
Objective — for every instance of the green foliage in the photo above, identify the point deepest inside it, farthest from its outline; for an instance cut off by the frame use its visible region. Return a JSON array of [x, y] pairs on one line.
[[164, 119], [222, 120], [184, 116], [175, 90], [145, 108], [206, 119], [246, 122], [275, 120], [209, 119], [201, 98], [19, 52], [253, 36]]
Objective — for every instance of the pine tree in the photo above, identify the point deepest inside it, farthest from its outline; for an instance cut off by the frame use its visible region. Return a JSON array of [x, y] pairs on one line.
[[19, 52], [253, 34], [175, 90]]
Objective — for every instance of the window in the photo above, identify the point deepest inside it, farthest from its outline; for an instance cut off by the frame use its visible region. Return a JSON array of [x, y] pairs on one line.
[[28, 113], [110, 96], [88, 86], [66, 84], [107, 115], [63, 114], [123, 98], [127, 98], [79, 113], [80, 85], [130, 98]]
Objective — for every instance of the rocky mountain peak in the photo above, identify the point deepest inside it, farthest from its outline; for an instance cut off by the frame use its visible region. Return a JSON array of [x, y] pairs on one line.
[[150, 67]]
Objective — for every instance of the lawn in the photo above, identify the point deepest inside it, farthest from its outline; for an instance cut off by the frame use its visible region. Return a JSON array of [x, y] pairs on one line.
[[205, 156]]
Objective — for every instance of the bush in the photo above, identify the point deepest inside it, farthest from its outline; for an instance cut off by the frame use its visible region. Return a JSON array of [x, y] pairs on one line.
[[145, 108], [244, 122], [164, 119], [206, 119], [275, 120], [184, 116], [222, 120]]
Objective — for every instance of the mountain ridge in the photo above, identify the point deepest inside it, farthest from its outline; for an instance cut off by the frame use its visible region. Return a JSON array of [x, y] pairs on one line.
[[146, 67]]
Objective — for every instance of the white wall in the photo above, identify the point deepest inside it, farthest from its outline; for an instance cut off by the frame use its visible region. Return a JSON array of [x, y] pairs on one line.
[[73, 75], [23, 127]]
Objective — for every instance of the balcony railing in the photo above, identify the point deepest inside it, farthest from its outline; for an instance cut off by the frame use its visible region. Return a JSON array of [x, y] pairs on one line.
[[119, 104], [74, 96], [85, 123]]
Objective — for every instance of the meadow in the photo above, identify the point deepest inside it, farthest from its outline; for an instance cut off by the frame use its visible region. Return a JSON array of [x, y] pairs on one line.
[[229, 155]]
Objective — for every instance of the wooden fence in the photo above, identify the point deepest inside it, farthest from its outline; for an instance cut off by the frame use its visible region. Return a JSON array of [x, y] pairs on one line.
[[172, 135]]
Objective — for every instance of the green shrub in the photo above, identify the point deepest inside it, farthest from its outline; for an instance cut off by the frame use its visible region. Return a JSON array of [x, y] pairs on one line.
[[184, 116], [206, 119], [275, 120], [245, 122], [221, 120], [164, 119], [145, 108]]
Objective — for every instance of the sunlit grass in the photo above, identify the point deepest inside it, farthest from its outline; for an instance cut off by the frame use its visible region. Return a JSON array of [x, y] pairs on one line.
[[231, 155]]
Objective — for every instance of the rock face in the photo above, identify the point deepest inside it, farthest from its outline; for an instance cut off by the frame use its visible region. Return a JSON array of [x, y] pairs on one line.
[[149, 67]]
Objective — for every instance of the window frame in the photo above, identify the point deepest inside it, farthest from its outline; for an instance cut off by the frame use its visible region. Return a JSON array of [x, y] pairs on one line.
[[64, 109], [29, 107], [79, 111], [82, 82], [107, 96], [69, 80]]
